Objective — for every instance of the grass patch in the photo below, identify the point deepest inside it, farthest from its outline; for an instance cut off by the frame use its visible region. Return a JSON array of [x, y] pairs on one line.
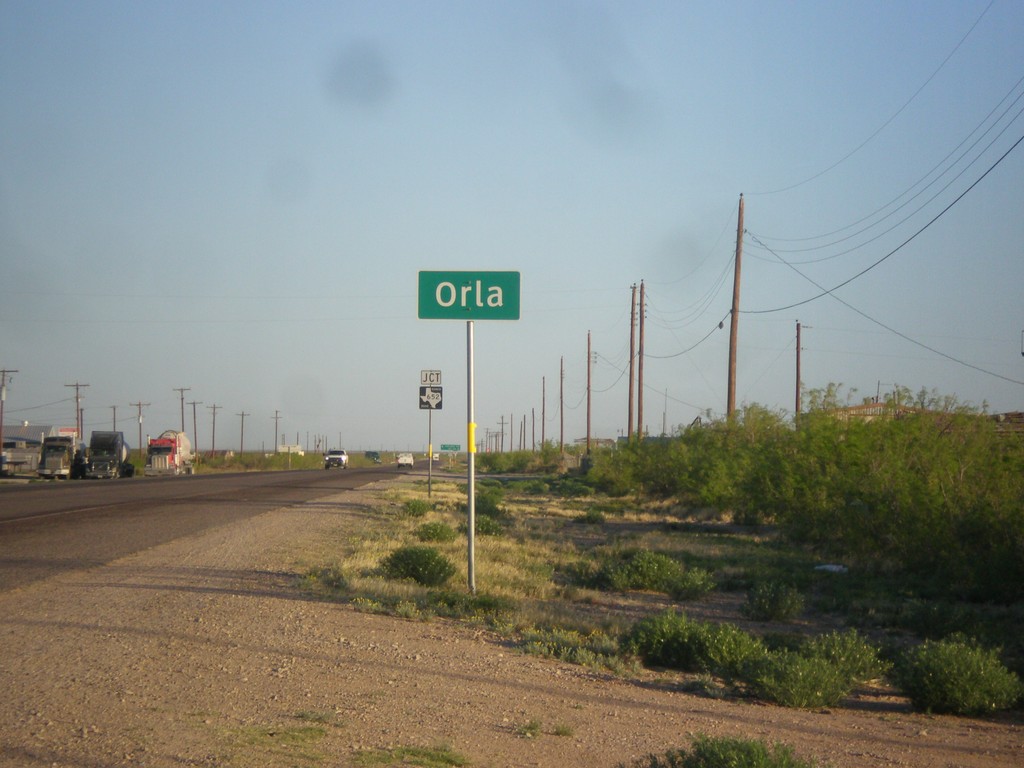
[[708, 752], [441, 756]]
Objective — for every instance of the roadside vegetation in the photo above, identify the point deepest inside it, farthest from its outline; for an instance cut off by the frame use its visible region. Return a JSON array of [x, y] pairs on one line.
[[848, 559]]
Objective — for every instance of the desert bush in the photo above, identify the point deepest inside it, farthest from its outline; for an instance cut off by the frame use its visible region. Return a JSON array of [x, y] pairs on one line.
[[956, 676], [795, 680], [692, 584], [855, 658], [642, 569], [416, 507], [773, 601], [663, 640], [591, 517], [708, 752], [424, 565], [436, 531], [671, 640], [462, 605]]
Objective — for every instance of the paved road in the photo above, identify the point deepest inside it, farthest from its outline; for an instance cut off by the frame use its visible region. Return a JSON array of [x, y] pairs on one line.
[[49, 528]]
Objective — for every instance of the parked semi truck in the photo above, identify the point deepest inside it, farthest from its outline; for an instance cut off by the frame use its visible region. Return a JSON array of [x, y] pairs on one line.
[[61, 458], [108, 456], [169, 454]]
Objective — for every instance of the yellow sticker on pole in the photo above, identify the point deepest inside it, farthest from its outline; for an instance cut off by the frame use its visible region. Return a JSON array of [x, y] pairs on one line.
[[471, 437]]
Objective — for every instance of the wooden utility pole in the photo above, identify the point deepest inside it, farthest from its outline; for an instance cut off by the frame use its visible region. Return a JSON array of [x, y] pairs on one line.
[[796, 408], [543, 407], [277, 419], [632, 364], [213, 435], [78, 408], [140, 405], [640, 367], [561, 404], [182, 391], [730, 405], [241, 440], [195, 429], [589, 366]]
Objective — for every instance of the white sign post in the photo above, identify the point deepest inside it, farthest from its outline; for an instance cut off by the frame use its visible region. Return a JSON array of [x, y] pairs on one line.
[[468, 296], [430, 401]]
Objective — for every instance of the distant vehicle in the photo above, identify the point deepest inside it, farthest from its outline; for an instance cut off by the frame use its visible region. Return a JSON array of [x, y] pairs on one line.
[[57, 458], [336, 458], [108, 456], [169, 454], [405, 460], [373, 456]]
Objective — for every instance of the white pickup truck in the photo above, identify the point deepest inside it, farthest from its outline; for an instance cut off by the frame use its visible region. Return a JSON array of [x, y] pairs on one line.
[[336, 458]]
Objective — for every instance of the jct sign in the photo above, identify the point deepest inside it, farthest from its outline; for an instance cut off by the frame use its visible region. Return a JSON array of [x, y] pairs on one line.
[[469, 295]]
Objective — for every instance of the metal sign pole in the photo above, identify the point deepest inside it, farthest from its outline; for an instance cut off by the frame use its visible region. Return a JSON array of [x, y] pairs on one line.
[[430, 453], [470, 459]]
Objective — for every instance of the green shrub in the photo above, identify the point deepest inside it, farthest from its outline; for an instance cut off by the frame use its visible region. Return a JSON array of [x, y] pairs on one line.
[[424, 565], [663, 640], [773, 601], [592, 650], [416, 507], [643, 570], [462, 605], [794, 680], [671, 640], [957, 677], [693, 583], [591, 517], [485, 525], [708, 752], [855, 658], [436, 531], [726, 650]]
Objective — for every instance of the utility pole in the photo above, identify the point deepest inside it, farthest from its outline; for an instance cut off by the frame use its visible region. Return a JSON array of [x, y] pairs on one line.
[[632, 364], [4, 374], [241, 441], [195, 429], [589, 366], [213, 438], [561, 405], [140, 405], [502, 425], [796, 408], [640, 367], [78, 407], [182, 391], [544, 404], [730, 405], [276, 417]]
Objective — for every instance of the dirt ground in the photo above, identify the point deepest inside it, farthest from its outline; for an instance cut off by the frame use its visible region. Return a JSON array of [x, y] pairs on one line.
[[203, 653]]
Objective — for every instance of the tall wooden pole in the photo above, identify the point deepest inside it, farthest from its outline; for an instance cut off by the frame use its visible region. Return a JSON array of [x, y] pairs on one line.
[[730, 406], [561, 405], [589, 366], [640, 367], [632, 364], [796, 408]]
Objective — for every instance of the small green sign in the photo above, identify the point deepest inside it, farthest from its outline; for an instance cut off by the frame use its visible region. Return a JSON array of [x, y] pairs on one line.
[[450, 447], [468, 295]]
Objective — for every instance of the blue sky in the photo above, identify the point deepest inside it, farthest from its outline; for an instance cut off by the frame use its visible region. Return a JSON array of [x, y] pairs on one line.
[[237, 197]]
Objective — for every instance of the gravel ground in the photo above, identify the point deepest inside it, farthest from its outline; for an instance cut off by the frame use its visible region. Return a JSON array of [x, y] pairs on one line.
[[202, 652]]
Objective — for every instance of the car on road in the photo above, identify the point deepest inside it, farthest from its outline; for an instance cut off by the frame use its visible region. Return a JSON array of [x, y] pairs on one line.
[[336, 458], [373, 456], [405, 460]]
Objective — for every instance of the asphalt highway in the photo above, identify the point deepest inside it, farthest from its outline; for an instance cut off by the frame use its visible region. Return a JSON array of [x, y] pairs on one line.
[[47, 528]]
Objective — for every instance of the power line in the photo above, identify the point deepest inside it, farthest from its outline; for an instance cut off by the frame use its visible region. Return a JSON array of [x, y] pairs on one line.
[[829, 291], [902, 335], [886, 124]]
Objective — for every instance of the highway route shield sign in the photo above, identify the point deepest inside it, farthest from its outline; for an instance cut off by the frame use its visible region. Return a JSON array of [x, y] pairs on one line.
[[430, 398]]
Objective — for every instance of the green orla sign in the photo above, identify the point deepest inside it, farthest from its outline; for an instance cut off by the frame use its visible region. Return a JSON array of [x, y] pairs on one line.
[[468, 295]]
